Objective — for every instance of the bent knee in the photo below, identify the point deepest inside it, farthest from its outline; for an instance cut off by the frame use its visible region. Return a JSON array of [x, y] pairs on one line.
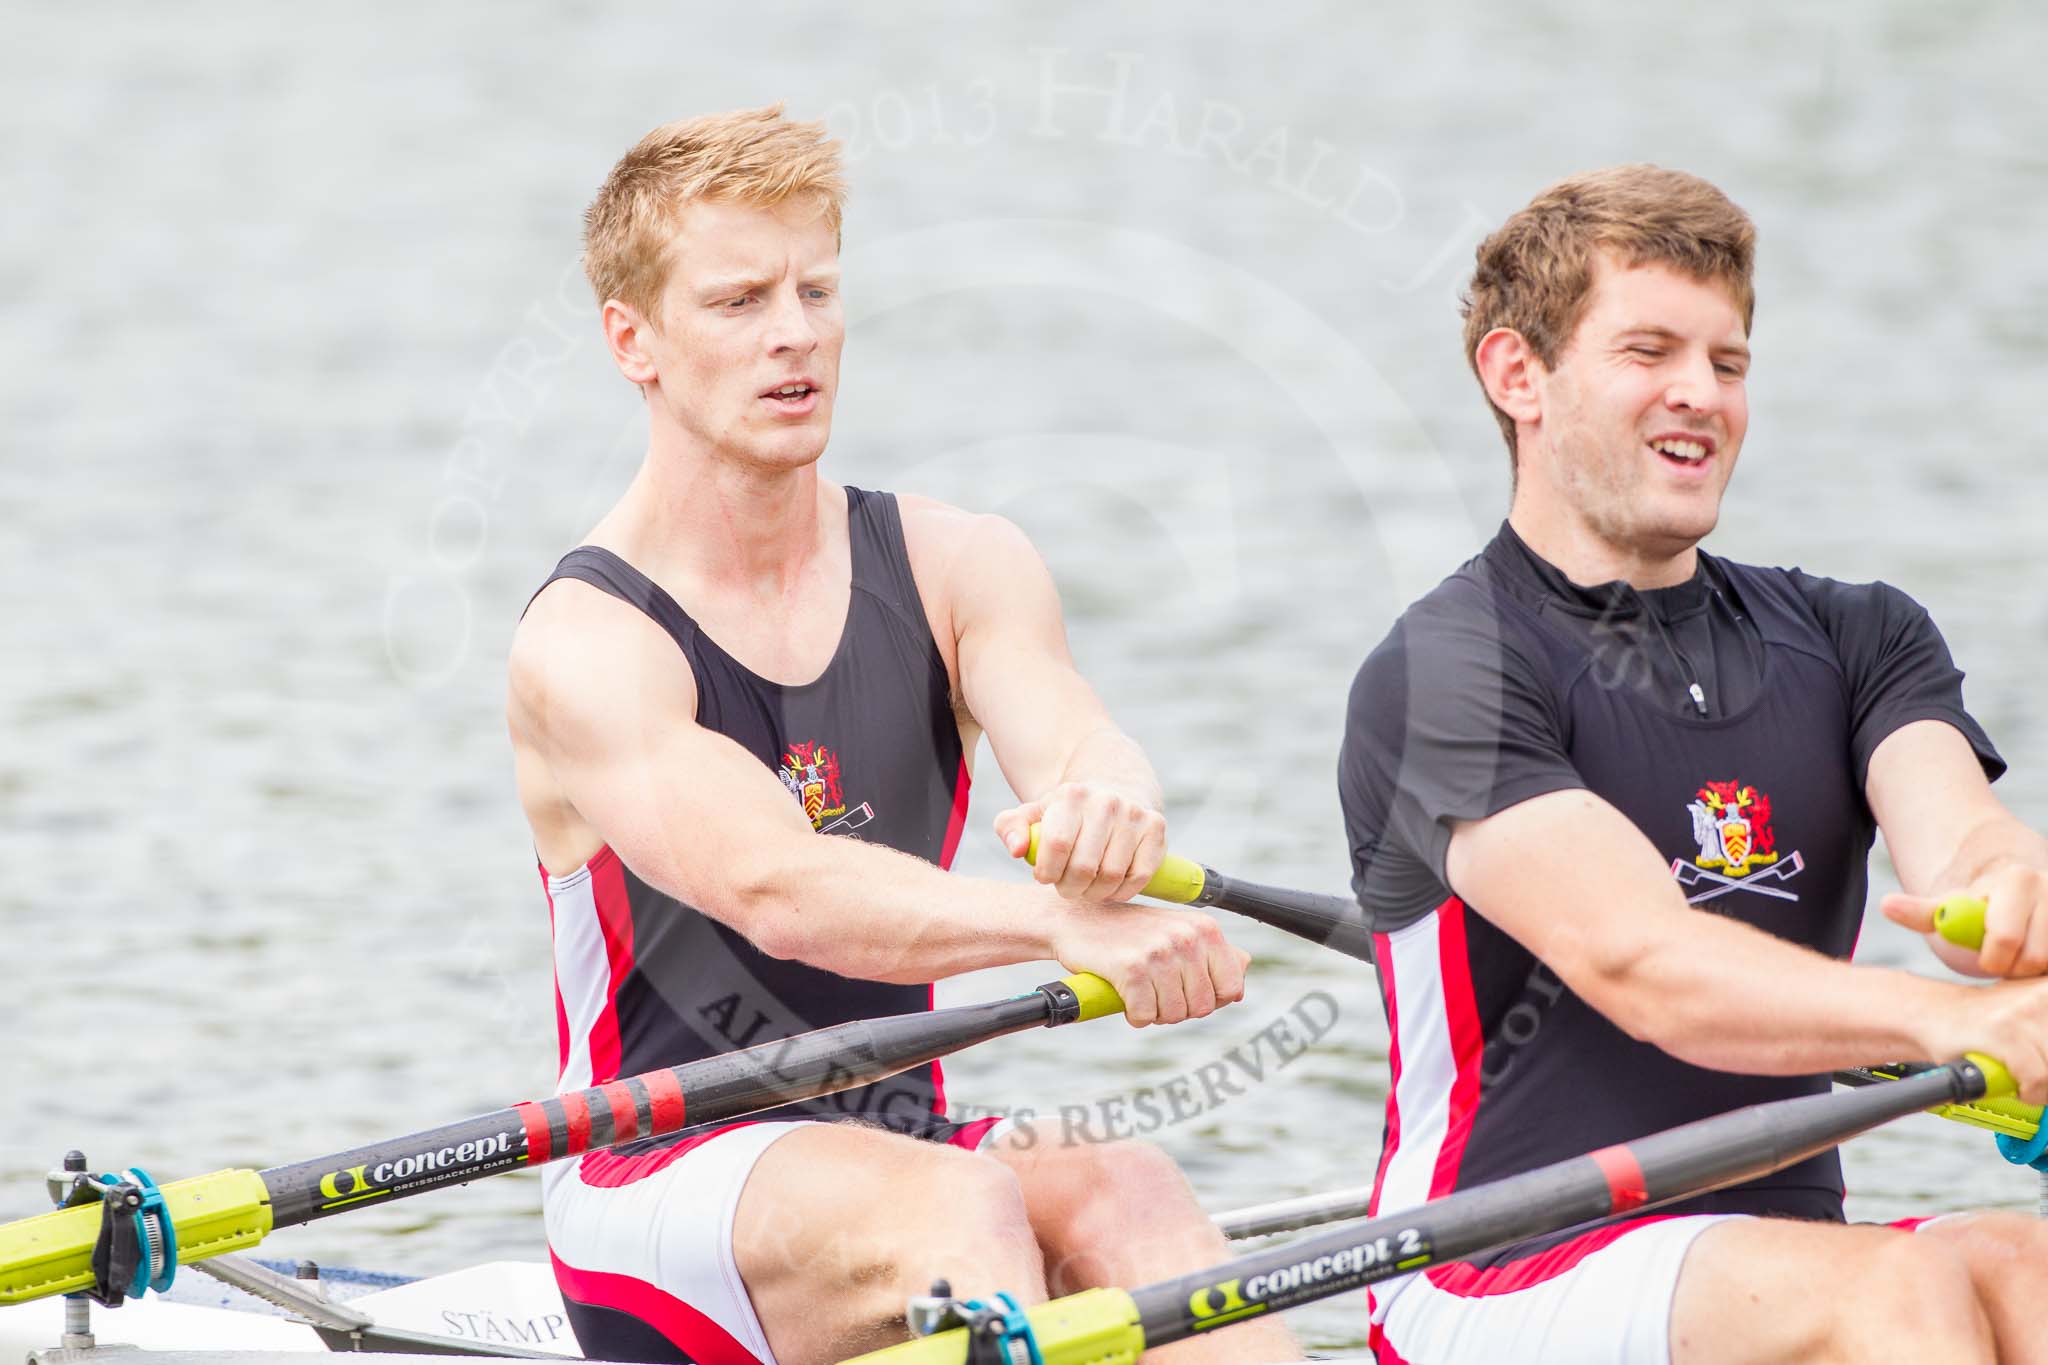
[[1093, 1168], [1918, 1289], [1120, 1190], [1133, 1166]]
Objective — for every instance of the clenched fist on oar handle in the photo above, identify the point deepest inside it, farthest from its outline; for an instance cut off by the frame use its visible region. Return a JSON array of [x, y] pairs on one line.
[[1096, 841], [2009, 1020], [1168, 965]]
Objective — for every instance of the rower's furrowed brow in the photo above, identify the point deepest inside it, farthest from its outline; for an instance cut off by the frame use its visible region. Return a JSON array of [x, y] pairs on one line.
[[730, 289]]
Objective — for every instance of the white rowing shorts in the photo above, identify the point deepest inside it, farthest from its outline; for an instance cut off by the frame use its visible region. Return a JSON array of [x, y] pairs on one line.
[[1602, 1298], [642, 1248]]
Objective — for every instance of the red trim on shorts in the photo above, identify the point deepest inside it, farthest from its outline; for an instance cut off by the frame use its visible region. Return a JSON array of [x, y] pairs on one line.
[[971, 1134], [607, 1170], [1911, 1224], [1454, 969], [1383, 1350], [615, 922], [1625, 1185], [696, 1335], [1469, 1283]]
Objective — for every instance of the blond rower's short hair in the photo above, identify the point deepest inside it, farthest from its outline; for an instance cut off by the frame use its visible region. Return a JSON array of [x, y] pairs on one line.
[[1535, 274], [749, 156]]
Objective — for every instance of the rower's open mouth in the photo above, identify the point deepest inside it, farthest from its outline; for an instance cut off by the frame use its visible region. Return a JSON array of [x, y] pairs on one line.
[[798, 392], [1684, 450]]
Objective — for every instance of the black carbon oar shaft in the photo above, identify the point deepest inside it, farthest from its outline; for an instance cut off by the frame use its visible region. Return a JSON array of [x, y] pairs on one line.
[[52, 1253], [1627, 1178], [1333, 921], [656, 1103]]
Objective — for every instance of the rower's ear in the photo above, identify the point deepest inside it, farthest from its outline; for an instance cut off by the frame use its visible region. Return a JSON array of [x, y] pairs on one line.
[[626, 334], [1509, 369]]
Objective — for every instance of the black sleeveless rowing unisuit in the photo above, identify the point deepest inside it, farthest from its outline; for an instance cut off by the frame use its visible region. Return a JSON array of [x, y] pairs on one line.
[[1731, 718], [869, 749]]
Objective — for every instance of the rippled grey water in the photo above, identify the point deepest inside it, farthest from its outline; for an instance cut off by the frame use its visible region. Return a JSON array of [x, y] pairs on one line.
[[302, 396]]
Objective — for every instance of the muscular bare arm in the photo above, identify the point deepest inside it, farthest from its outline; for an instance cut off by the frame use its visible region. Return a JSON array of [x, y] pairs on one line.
[[1948, 834], [1713, 991], [602, 706], [1077, 773]]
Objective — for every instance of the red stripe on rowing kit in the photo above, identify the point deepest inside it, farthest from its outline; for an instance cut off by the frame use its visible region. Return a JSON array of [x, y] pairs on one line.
[[577, 1110], [1625, 1187], [664, 1101], [538, 1148], [625, 1114]]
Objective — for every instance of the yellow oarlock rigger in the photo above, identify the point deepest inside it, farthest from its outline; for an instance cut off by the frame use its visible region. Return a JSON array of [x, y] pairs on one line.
[[52, 1252], [1094, 1327]]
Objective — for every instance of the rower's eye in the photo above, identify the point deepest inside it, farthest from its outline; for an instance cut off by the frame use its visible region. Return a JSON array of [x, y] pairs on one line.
[[735, 304], [1647, 352]]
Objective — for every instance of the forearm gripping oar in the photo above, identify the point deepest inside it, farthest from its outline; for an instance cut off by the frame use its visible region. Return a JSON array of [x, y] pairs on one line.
[[1338, 922], [1333, 921], [229, 1210], [1960, 920], [1113, 1326]]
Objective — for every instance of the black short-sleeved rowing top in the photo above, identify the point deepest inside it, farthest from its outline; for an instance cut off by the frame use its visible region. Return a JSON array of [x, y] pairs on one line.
[[1731, 717], [870, 749]]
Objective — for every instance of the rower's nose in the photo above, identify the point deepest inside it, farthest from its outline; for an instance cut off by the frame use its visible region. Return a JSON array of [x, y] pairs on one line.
[[791, 329]]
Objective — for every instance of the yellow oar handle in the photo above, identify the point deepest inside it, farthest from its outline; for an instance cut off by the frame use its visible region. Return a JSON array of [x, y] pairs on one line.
[[1178, 879], [1998, 1082], [1960, 920], [1097, 996]]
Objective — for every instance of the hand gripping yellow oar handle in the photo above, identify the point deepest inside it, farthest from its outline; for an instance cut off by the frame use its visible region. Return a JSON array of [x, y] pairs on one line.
[[1960, 920], [1178, 879], [1333, 921]]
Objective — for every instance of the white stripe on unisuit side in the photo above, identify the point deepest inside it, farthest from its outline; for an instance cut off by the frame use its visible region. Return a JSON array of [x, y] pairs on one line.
[[583, 973]]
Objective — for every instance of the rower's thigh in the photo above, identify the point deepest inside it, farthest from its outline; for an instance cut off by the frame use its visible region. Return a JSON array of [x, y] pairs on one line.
[[839, 1225], [1599, 1297], [1756, 1290]]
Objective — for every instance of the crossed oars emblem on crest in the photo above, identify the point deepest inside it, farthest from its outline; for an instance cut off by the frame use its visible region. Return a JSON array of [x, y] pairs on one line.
[[1689, 874]]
